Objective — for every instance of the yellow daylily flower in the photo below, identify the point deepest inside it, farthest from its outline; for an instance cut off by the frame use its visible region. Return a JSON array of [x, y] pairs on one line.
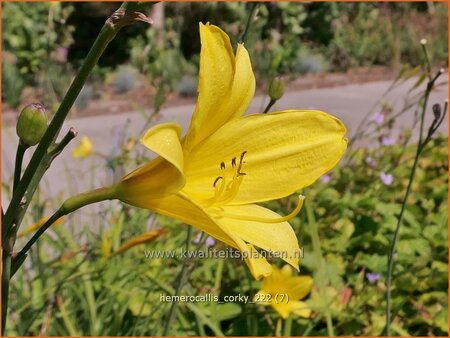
[[282, 290], [83, 149], [227, 162], [35, 226]]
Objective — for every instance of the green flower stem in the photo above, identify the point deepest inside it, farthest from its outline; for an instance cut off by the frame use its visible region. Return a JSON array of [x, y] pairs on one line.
[[391, 256], [12, 264], [10, 236], [69, 206], [181, 280], [322, 281], [6, 271], [41, 159], [106, 35], [21, 148], [269, 105]]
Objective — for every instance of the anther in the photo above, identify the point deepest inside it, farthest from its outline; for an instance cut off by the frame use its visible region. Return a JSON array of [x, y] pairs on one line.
[[217, 180], [233, 162], [241, 161], [222, 165]]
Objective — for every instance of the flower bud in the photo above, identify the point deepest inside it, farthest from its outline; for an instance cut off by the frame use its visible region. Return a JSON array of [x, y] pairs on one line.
[[276, 88], [32, 124]]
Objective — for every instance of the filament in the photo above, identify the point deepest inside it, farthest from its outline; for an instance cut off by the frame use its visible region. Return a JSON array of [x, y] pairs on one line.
[[269, 220]]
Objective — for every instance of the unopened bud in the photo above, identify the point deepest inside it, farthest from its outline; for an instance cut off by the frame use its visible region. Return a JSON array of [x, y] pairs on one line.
[[276, 88], [32, 124], [437, 111], [423, 42]]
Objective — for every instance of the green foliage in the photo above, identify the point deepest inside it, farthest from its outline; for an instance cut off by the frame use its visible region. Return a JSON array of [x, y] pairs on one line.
[[358, 214], [12, 83], [32, 33], [365, 34], [80, 290], [157, 55], [37, 38]]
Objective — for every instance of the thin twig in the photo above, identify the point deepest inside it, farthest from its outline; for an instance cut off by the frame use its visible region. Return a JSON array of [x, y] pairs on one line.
[[269, 105], [59, 147], [391, 257], [253, 7]]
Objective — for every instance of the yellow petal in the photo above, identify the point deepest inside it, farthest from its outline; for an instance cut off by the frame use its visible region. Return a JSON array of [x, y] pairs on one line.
[[277, 238], [164, 139], [215, 77], [236, 103], [285, 151], [183, 209], [242, 90], [257, 264], [84, 148], [299, 287], [180, 207], [226, 84], [298, 308], [160, 177]]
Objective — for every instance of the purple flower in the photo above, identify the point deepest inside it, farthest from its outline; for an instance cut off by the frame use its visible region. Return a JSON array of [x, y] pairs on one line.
[[198, 238], [373, 277], [387, 179], [210, 242], [388, 141], [325, 178], [370, 161], [378, 118]]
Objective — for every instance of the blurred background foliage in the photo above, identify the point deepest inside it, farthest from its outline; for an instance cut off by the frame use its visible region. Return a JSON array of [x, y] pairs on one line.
[[76, 287], [71, 285], [285, 39]]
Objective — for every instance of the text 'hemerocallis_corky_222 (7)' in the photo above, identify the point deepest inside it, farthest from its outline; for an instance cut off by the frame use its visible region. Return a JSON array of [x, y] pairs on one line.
[[213, 177]]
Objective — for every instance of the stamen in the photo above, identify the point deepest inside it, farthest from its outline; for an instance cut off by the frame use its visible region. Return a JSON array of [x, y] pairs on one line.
[[269, 220], [231, 193], [218, 191], [227, 190], [216, 180], [240, 164]]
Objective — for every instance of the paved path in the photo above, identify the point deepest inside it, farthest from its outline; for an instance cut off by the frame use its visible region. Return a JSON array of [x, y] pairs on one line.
[[68, 176]]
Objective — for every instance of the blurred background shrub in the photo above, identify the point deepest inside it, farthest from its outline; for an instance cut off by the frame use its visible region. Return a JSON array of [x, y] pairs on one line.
[[43, 43]]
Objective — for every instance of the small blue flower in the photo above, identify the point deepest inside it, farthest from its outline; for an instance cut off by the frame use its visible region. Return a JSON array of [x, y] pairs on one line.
[[210, 242], [387, 179], [198, 238], [388, 141], [325, 178], [378, 118], [373, 277]]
